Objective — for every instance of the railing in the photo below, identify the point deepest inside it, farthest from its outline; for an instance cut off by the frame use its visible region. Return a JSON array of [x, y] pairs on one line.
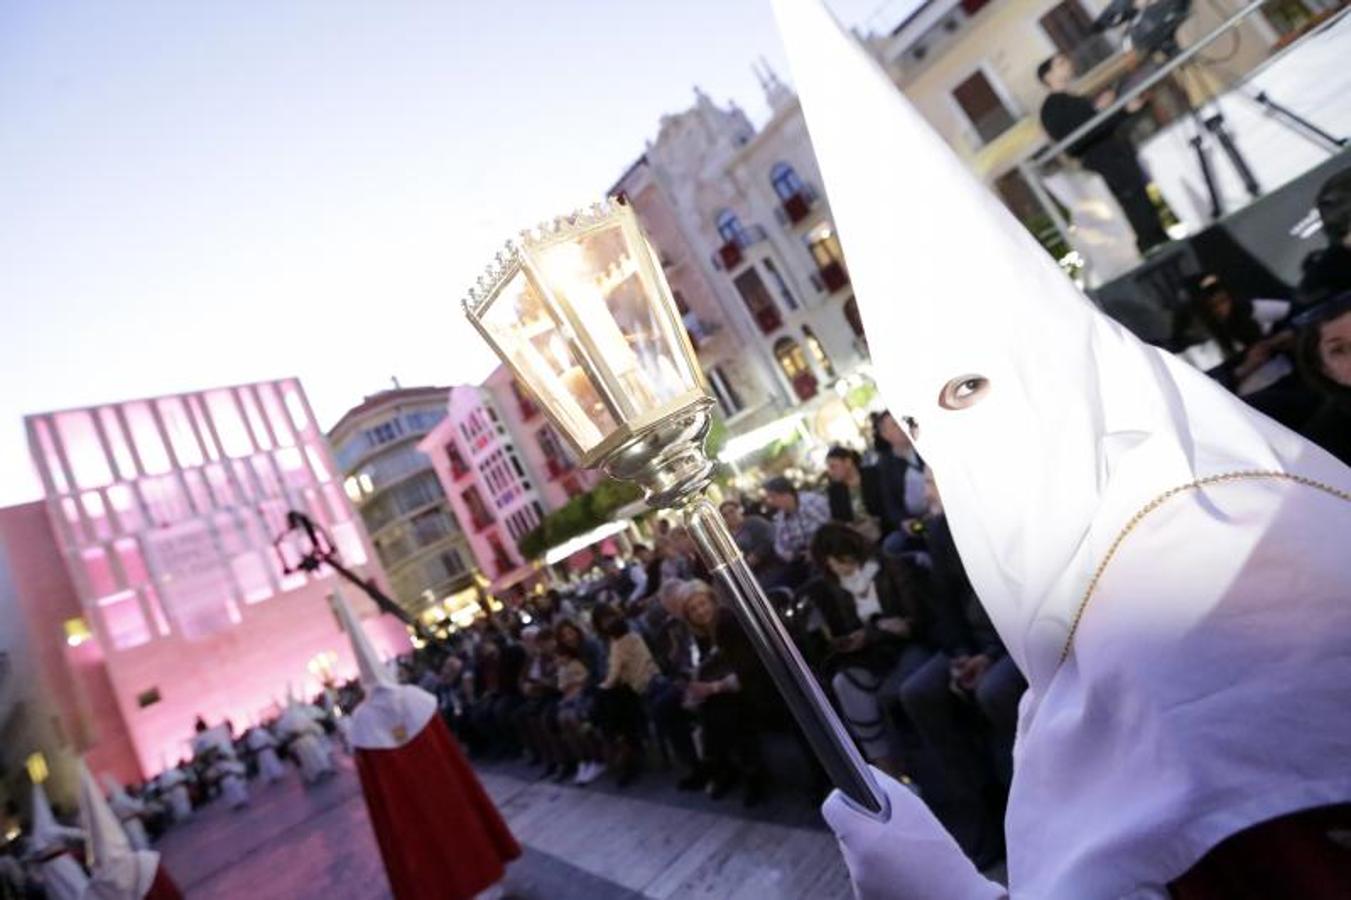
[[793, 209], [729, 255], [833, 276]]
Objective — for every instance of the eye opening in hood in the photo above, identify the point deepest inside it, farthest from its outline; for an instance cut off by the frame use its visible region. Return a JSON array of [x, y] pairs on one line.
[[964, 391]]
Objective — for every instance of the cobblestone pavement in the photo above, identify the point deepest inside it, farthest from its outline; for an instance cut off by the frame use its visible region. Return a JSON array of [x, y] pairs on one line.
[[592, 843]]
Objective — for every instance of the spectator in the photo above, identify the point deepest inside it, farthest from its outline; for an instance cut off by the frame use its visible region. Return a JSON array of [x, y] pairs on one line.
[[674, 566], [615, 579], [971, 672], [1324, 354], [902, 473], [1327, 272], [538, 716], [754, 535], [796, 518], [638, 569], [726, 692], [1249, 352], [577, 667], [872, 617], [633, 684], [854, 492]]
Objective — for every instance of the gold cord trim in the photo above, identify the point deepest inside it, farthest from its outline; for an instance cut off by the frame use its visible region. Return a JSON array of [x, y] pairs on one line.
[[1164, 498]]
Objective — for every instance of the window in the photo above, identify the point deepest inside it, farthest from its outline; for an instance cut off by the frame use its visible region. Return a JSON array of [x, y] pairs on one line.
[[423, 421], [730, 228], [780, 286], [384, 433], [478, 510], [728, 398], [1017, 195], [458, 467], [983, 107], [786, 182], [794, 364], [1070, 28], [524, 403], [556, 459], [824, 246], [851, 315], [817, 351], [757, 299]]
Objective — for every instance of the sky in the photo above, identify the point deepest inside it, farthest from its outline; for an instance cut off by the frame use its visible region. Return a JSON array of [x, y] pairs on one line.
[[199, 194]]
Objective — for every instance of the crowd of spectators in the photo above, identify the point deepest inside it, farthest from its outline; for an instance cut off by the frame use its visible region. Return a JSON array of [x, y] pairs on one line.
[[650, 663]]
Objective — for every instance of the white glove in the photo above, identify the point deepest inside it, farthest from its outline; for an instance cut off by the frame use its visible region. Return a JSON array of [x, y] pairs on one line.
[[908, 857]]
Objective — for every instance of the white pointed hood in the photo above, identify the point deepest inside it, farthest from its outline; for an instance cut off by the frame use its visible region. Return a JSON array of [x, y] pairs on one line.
[[373, 671], [392, 714], [1169, 726], [1079, 424], [117, 872]]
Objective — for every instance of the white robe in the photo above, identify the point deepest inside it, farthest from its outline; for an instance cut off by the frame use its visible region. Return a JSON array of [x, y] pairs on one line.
[[264, 745], [311, 752], [175, 789], [128, 811], [234, 790], [64, 878]]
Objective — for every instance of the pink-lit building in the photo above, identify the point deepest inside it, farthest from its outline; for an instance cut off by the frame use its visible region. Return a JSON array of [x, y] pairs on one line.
[[165, 511], [503, 468]]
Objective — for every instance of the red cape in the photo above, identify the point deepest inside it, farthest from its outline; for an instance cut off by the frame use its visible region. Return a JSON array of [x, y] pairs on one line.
[[163, 887], [439, 833]]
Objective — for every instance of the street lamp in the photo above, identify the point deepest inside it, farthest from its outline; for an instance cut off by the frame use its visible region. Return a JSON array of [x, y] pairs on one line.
[[304, 546], [580, 311]]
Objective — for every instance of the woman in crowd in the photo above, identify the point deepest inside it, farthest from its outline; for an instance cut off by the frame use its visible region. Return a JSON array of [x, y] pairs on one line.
[[726, 692], [1324, 353], [577, 667], [631, 680], [1248, 350], [872, 617]]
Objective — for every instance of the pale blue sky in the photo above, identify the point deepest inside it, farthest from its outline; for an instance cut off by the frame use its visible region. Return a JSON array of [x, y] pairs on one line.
[[194, 194]]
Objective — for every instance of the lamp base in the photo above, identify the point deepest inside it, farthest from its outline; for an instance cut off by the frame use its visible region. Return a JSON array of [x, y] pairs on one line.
[[667, 459]]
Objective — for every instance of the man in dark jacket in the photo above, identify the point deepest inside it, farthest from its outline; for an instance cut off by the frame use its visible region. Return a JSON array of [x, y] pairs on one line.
[[1105, 150], [854, 492]]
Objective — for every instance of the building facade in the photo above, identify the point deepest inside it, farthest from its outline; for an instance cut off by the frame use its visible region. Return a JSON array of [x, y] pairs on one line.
[[747, 241], [165, 511], [969, 67], [412, 524], [504, 468], [41, 712]]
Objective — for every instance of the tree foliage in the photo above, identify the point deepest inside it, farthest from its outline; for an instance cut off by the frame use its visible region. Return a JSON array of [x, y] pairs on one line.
[[578, 516]]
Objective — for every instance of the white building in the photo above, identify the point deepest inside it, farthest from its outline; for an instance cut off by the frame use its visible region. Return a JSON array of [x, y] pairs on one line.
[[746, 238]]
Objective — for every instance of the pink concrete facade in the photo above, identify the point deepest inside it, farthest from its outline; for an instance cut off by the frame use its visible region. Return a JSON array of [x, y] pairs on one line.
[[62, 692], [548, 463], [503, 469], [165, 510]]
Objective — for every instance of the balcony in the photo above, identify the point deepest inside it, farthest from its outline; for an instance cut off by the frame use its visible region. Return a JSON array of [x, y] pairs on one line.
[[793, 209], [832, 276], [768, 319], [730, 254]]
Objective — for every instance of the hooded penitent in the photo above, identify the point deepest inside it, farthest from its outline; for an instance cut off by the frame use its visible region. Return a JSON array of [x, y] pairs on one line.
[[438, 831], [48, 847], [128, 811], [117, 871], [1091, 479]]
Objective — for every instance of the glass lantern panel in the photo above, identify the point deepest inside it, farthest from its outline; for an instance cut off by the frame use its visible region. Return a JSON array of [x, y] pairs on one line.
[[542, 353], [600, 275]]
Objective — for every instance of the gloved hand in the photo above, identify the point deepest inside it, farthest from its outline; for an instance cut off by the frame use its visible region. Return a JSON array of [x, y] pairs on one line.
[[908, 857]]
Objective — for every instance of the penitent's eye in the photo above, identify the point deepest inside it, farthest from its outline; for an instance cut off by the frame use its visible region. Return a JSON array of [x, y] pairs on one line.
[[963, 391]]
